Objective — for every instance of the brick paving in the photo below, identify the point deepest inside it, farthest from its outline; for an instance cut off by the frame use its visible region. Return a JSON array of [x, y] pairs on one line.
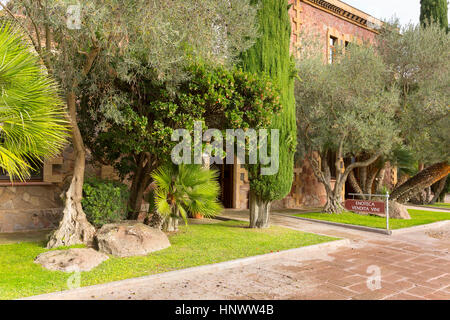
[[411, 266]]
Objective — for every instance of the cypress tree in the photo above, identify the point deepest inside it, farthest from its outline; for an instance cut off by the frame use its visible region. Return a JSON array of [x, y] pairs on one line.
[[270, 55], [434, 11]]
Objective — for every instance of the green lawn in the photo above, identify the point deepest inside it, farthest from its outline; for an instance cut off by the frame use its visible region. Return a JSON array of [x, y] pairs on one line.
[[194, 245], [418, 217], [440, 205]]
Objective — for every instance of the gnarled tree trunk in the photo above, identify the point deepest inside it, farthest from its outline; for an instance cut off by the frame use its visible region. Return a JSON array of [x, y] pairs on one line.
[[380, 179], [141, 181], [74, 228], [259, 211], [334, 195], [420, 181], [355, 185], [334, 204], [439, 190], [363, 177], [427, 195], [370, 179]]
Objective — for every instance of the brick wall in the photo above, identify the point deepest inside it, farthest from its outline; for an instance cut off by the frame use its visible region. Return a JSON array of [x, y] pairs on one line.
[[307, 18]]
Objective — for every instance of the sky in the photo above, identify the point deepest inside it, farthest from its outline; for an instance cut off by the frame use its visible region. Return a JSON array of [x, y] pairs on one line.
[[406, 10]]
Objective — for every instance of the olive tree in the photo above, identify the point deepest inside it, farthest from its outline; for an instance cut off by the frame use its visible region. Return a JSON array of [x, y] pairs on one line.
[[418, 60], [344, 108], [74, 40]]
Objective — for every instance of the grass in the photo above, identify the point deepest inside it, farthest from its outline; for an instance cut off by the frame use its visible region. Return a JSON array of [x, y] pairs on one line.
[[193, 245], [439, 205], [418, 217]]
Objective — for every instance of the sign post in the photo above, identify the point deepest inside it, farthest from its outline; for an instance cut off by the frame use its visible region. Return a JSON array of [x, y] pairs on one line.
[[387, 211]]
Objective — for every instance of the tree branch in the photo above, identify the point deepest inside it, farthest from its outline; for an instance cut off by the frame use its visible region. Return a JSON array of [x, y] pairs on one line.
[[22, 26], [361, 164]]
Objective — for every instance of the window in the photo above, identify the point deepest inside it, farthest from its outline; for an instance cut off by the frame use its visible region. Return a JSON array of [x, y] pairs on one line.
[[36, 174], [332, 53]]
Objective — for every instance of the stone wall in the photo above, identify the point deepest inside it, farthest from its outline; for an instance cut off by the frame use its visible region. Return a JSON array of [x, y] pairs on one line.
[[306, 190], [306, 16], [36, 205], [29, 207]]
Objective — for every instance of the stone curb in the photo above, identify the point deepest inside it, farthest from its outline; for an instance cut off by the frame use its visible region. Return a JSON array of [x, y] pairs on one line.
[[375, 230], [438, 209], [343, 225], [421, 227], [158, 278]]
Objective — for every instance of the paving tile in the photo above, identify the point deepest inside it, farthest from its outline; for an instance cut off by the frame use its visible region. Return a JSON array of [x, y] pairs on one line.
[[394, 277], [432, 273], [422, 259], [403, 296], [348, 281], [438, 295], [425, 282], [338, 290], [420, 291], [374, 295], [441, 282], [397, 285]]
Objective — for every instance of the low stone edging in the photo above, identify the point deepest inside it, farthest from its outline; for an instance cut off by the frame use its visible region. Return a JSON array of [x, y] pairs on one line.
[[343, 225], [442, 209], [422, 227], [375, 230]]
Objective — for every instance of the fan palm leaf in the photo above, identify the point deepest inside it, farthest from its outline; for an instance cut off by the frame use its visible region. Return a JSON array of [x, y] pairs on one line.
[[186, 188], [32, 116]]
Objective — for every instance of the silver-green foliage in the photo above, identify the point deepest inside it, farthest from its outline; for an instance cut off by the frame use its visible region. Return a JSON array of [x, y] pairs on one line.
[[135, 38], [346, 107], [418, 59]]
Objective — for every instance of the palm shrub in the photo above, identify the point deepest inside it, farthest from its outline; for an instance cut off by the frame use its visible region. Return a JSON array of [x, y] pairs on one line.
[[32, 117], [185, 189]]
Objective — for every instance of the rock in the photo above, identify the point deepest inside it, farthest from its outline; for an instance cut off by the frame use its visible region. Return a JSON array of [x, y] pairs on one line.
[[71, 260], [398, 211], [130, 238]]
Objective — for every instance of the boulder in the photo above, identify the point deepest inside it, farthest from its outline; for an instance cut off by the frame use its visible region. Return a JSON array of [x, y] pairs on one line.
[[130, 238], [71, 260], [398, 211]]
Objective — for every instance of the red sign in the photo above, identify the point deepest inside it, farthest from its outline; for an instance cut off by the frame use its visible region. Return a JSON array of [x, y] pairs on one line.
[[366, 206]]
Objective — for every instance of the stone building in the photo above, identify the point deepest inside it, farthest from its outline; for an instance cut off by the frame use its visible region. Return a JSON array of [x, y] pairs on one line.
[[36, 203], [336, 24]]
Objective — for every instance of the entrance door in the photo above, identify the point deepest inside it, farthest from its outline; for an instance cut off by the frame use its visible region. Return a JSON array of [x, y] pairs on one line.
[[226, 183]]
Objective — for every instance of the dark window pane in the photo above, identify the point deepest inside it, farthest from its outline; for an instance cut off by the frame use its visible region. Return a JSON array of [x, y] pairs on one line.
[[36, 172]]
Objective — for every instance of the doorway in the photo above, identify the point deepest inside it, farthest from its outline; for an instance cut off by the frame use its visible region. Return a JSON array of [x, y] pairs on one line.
[[226, 183]]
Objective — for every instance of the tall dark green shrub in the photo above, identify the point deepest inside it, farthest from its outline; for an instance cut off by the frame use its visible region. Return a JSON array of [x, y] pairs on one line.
[[434, 11], [104, 201], [270, 55]]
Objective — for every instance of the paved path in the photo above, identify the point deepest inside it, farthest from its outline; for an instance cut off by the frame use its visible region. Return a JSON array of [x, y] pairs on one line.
[[435, 209], [412, 265]]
